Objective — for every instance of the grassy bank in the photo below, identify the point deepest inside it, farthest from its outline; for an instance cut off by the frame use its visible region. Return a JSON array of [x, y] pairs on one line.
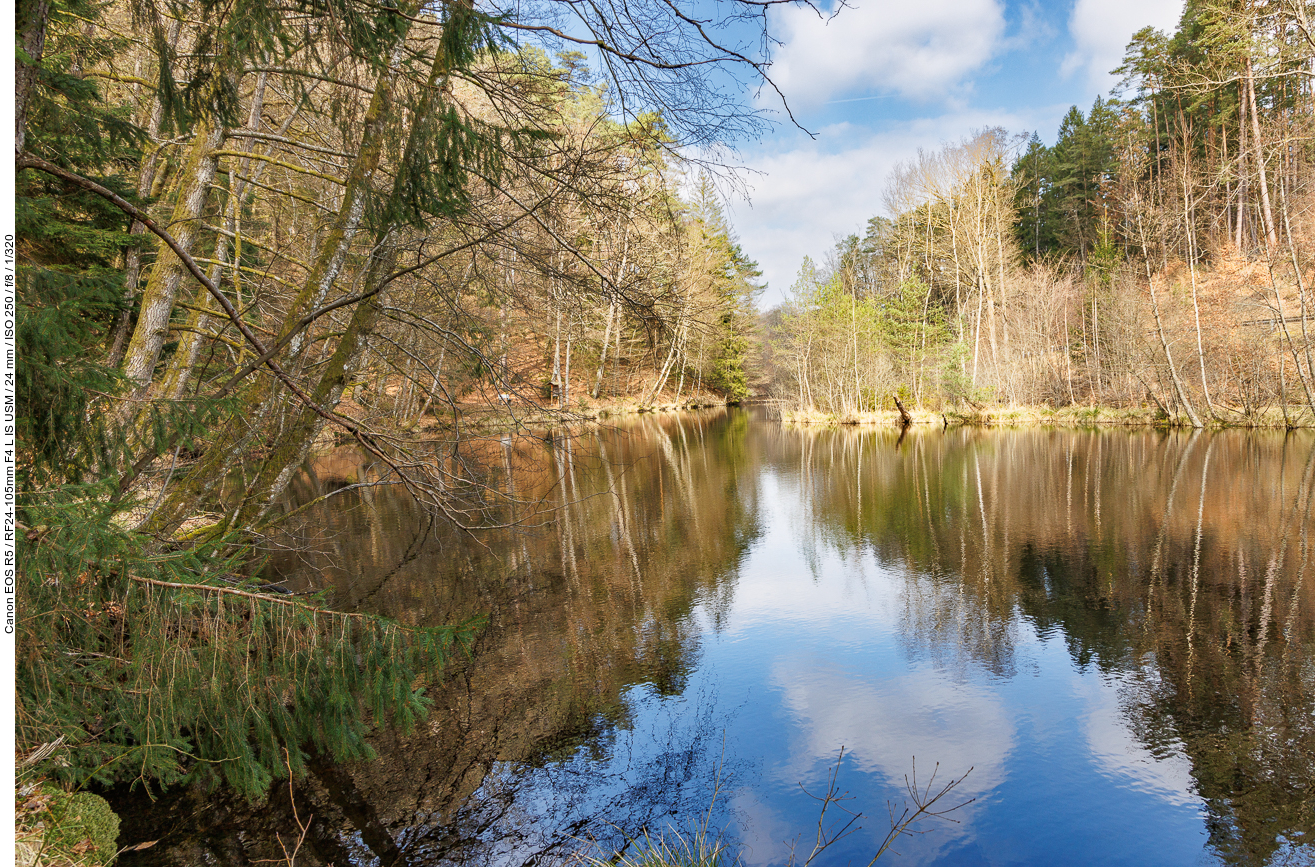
[[1066, 417], [495, 417]]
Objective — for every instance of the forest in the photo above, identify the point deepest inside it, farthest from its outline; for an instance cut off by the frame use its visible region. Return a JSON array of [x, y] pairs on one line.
[[1154, 260], [250, 232]]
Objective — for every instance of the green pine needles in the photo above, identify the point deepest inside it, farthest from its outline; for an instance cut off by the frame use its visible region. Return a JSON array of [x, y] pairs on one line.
[[148, 658], [164, 669]]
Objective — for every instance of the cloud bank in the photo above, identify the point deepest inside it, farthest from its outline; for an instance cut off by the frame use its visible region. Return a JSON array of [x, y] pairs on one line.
[[1101, 30], [919, 50]]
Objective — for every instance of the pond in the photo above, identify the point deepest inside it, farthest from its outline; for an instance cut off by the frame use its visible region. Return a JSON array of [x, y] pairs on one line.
[[1108, 636]]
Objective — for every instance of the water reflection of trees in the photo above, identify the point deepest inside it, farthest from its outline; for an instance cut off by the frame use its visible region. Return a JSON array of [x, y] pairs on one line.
[[1183, 558], [590, 600], [1180, 562]]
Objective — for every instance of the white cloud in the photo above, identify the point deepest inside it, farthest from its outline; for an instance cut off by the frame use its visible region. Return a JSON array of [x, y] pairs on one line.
[[804, 200], [884, 723], [1101, 30], [917, 49]]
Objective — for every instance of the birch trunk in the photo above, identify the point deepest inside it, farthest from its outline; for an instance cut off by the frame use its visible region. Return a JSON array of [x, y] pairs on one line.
[[1271, 236], [1164, 343], [602, 357]]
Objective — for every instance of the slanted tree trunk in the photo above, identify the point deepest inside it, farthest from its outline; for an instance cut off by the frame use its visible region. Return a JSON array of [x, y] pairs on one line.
[[133, 255], [672, 353], [292, 445], [179, 372], [337, 241], [904, 418], [1164, 343], [320, 279], [1287, 332], [161, 292], [289, 450]]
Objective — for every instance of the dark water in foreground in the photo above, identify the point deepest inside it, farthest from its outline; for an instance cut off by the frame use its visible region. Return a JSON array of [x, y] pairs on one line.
[[1115, 631]]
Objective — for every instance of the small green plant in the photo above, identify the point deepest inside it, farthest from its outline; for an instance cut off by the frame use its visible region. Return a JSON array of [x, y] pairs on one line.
[[673, 849]]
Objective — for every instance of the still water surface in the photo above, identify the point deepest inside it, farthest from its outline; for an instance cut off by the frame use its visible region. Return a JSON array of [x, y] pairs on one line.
[[1111, 633]]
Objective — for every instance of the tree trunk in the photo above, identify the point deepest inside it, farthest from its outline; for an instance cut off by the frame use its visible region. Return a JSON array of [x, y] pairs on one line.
[[1242, 176], [296, 437], [1271, 237], [665, 372], [32, 23], [133, 256], [289, 450], [566, 375], [904, 418], [1164, 343], [179, 372], [555, 384], [602, 356], [1292, 347], [161, 290], [1068, 358], [1190, 228], [977, 330], [347, 222]]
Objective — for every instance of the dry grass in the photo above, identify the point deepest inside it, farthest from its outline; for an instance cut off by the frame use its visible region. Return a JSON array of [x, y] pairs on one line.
[[880, 417], [1067, 417]]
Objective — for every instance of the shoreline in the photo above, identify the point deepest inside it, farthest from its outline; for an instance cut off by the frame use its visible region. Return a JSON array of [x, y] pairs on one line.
[[1297, 418], [486, 418]]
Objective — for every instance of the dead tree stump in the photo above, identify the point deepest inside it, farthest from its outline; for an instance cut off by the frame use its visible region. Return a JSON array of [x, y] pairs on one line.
[[904, 418]]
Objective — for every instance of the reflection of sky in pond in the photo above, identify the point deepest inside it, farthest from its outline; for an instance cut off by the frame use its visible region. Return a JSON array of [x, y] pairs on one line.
[[1098, 624], [819, 652], [1056, 774]]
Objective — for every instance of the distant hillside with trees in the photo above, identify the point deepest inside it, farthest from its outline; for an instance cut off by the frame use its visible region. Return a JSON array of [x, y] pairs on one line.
[[1157, 255]]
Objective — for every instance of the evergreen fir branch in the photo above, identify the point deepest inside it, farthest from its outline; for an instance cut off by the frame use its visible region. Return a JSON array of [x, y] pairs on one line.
[[151, 676], [263, 597]]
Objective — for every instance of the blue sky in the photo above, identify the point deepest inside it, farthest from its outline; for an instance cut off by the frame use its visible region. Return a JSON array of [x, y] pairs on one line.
[[883, 78]]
